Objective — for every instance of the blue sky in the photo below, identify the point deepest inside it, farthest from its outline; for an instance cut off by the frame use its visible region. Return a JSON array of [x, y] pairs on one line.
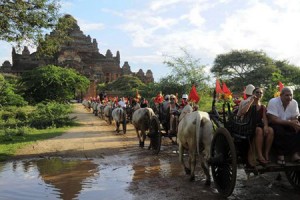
[[145, 30]]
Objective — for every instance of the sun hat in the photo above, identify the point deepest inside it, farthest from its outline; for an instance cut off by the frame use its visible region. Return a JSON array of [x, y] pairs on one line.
[[185, 96], [249, 89]]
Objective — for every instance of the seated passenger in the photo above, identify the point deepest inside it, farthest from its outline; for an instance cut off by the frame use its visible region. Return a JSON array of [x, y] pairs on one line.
[[248, 92], [283, 112], [174, 112], [263, 133], [144, 103], [184, 101]]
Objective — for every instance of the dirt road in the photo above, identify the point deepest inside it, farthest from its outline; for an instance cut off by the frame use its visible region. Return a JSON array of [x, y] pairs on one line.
[[94, 138], [152, 176]]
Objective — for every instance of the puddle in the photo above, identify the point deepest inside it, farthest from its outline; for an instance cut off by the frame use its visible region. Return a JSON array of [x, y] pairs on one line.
[[66, 179], [118, 177]]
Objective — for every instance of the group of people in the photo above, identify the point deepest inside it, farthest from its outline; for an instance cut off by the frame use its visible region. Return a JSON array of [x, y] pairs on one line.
[[277, 125], [171, 108]]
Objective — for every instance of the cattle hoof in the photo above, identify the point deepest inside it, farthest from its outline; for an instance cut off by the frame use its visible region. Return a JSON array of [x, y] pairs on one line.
[[187, 171]]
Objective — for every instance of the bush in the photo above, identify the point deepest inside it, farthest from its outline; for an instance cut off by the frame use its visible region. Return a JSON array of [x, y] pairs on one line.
[[50, 115], [12, 116]]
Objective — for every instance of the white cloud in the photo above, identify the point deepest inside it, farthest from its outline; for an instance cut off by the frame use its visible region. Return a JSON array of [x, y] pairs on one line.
[[262, 27], [86, 26], [159, 4]]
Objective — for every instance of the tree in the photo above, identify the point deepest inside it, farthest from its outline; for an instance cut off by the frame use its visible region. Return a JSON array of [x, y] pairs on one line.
[[244, 67], [186, 70], [52, 83], [125, 83], [8, 97], [26, 21], [289, 73], [169, 85], [49, 45]]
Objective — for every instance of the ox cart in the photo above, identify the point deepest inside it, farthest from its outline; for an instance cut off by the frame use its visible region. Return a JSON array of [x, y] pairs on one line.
[[160, 127], [229, 149]]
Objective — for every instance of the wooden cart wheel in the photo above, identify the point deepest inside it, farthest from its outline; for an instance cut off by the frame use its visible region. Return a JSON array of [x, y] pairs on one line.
[[155, 134], [223, 162], [294, 178], [124, 124]]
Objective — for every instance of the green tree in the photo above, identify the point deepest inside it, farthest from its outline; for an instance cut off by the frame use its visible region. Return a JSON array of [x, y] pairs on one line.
[[186, 70], [244, 67], [127, 85], [169, 85], [52, 83], [8, 96], [24, 22], [289, 73], [49, 45]]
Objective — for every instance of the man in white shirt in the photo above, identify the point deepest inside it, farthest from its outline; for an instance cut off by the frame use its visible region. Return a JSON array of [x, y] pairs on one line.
[[283, 115], [122, 103]]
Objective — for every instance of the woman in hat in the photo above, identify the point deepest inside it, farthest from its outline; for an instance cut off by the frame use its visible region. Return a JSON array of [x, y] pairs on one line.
[[264, 134]]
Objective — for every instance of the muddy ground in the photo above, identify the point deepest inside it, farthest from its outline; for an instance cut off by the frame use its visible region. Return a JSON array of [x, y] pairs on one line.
[[153, 176]]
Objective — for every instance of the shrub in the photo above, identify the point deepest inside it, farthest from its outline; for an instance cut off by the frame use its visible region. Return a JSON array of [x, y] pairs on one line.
[[50, 115]]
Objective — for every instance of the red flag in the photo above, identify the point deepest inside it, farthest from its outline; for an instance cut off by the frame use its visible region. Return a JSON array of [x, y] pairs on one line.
[[159, 98], [225, 89], [193, 96], [218, 87], [245, 96], [280, 86]]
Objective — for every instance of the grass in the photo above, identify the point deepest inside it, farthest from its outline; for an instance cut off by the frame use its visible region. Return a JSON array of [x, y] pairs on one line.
[[12, 140]]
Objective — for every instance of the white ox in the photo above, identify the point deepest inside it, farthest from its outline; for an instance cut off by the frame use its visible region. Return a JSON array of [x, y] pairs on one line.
[[107, 113], [86, 104], [141, 122], [195, 133], [119, 115]]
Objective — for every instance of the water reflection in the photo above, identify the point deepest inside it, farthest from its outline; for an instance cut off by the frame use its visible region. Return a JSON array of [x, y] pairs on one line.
[[67, 176], [44, 178], [155, 167]]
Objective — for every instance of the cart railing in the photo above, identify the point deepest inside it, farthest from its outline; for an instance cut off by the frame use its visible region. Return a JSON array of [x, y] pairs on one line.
[[239, 127]]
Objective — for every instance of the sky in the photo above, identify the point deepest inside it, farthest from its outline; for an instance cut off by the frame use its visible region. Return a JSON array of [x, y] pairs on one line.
[[144, 31]]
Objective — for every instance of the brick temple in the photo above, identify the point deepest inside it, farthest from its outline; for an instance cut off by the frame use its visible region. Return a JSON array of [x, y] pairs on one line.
[[82, 54]]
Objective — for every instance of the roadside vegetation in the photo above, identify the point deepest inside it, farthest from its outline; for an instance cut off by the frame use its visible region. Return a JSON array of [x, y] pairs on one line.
[[20, 126]]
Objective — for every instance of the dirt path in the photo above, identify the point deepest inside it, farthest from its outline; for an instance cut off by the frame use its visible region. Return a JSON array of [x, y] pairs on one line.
[[94, 138]]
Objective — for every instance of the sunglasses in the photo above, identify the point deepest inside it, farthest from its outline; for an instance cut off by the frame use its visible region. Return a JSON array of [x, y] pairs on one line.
[[258, 92]]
